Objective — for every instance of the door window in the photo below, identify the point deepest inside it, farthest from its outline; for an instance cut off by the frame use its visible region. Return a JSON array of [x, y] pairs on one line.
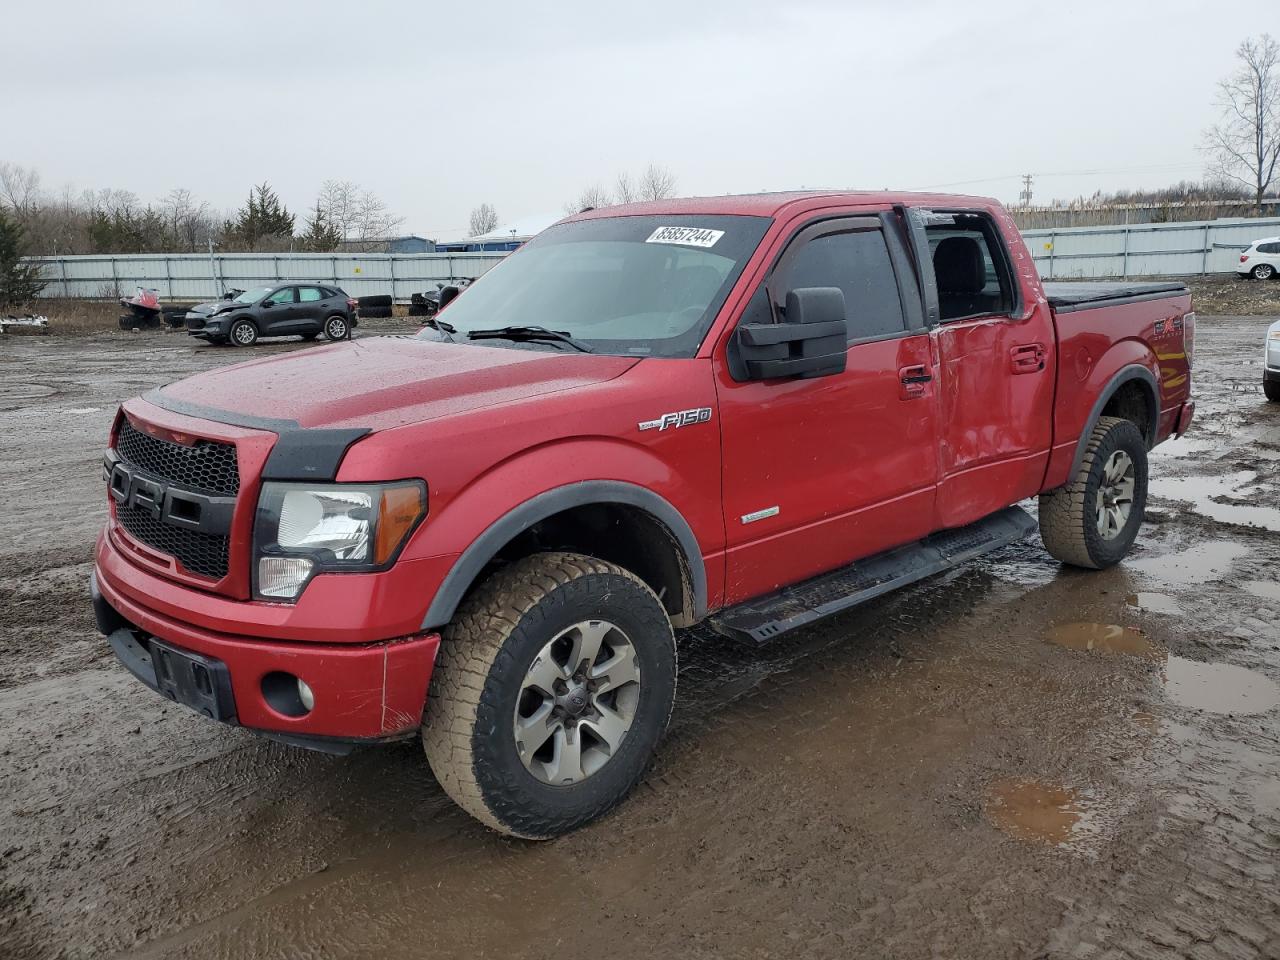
[[310, 294], [969, 266], [858, 263], [286, 295]]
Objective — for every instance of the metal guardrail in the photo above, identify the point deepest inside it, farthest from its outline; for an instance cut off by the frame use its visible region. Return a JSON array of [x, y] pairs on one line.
[[200, 276], [1160, 249]]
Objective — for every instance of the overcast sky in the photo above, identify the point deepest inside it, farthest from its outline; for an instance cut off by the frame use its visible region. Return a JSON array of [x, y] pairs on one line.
[[438, 107]]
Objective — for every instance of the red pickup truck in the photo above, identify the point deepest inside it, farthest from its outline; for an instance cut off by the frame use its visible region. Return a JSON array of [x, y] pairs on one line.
[[750, 411]]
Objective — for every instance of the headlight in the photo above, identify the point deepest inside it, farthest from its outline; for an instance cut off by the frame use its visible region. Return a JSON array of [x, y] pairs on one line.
[[303, 529]]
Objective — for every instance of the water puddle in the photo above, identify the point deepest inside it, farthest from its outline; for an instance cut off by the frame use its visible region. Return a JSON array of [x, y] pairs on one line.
[[1265, 589], [1154, 603], [1103, 638], [1030, 810], [1201, 492], [1218, 687], [1198, 564]]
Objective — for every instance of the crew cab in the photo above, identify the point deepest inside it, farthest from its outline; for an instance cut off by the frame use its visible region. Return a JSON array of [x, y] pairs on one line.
[[747, 412]]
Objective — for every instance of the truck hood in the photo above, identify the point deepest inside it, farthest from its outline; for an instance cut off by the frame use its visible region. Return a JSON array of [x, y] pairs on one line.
[[380, 382]]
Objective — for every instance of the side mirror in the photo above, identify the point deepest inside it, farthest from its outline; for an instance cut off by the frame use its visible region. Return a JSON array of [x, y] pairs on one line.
[[447, 295], [811, 342]]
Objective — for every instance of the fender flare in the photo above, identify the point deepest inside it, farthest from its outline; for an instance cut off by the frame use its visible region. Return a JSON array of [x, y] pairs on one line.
[[486, 546], [1126, 374]]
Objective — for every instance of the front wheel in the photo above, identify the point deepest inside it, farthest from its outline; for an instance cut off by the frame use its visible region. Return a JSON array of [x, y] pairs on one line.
[[336, 328], [1093, 521], [553, 685], [1263, 271], [1272, 390], [243, 333]]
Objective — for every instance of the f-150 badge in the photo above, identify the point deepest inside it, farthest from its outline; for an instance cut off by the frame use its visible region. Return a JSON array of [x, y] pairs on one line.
[[677, 418]]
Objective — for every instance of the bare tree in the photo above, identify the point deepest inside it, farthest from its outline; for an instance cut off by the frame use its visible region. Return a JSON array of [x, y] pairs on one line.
[[658, 183], [484, 219], [625, 190], [338, 200], [358, 216], [188, 221], [19, 189], [1245, 146], [592, 197], [373, 220]]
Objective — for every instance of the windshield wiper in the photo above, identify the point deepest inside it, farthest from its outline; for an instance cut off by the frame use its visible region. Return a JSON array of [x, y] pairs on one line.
[[517, 333], [448, 329]]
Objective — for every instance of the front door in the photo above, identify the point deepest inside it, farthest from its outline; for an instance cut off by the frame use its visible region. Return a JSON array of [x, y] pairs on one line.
[[278, 311], [820, 472]]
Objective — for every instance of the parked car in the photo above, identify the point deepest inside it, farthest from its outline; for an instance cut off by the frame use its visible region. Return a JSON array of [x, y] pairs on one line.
[[748, 413], [1262, 260], [301, 309], [1271, 364]]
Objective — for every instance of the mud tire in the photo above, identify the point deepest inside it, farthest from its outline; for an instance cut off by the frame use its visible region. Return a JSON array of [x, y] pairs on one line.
[[1271, 388], [1067, 521], [484, 656]]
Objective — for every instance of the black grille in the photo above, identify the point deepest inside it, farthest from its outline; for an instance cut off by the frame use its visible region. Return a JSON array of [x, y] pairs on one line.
[[201, 553], [208, 466]]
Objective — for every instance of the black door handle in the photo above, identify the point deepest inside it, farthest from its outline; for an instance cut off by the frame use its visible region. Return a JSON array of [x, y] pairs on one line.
[[917, 378]]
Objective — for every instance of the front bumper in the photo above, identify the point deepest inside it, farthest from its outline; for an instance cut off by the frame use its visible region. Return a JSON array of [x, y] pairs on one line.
[[363, 693]]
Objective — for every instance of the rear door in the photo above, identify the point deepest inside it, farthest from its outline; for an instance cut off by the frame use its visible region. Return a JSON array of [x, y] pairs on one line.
[[312, 309], [820, 472], [997, 358]]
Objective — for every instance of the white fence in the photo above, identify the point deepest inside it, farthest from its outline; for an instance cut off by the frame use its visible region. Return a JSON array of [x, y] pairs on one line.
[[1139, 250], [1145, 250], [199, 276]]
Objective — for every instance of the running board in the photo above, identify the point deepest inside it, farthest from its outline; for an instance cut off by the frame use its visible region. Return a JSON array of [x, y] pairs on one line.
[[758, 621]]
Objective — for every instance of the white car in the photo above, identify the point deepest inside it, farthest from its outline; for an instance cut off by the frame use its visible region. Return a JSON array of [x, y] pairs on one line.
[[1271, 364], [1262, 260]]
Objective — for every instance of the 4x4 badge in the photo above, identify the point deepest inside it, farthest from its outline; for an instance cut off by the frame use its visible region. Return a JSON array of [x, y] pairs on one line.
[[678, 418]]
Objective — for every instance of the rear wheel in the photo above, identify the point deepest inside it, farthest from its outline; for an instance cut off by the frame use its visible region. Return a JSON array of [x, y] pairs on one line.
[[243, 333], [1272, 389], [1093, 521], [1263, 271], [553, 686], [336, 328]]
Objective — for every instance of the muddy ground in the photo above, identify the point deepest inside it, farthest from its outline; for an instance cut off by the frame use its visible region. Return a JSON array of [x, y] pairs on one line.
[[1014, 760]]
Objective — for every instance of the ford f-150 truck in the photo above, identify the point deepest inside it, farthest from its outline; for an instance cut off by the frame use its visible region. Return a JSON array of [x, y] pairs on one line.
[[748, 412]]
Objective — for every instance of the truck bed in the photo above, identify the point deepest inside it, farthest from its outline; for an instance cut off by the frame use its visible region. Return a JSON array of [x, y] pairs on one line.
[[1072, 295]]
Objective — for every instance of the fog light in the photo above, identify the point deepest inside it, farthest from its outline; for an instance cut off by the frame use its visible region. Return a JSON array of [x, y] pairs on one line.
[[282, 577], [305, 695]]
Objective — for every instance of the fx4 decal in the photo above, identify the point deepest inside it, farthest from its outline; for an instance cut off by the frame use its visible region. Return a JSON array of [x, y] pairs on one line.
[[677, 418]]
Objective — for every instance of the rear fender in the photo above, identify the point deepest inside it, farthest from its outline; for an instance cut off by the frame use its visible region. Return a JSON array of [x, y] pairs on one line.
[[1129, 373]]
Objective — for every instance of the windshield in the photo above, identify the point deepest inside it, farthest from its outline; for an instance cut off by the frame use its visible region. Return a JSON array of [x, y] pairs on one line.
[[250, 296], [648, 286]]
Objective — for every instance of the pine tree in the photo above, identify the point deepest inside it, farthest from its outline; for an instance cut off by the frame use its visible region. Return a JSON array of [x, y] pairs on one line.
[[263, 218], [19, 281], [321, 236]]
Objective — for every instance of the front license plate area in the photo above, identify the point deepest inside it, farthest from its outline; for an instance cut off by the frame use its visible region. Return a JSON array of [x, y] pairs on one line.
[[199, 682]]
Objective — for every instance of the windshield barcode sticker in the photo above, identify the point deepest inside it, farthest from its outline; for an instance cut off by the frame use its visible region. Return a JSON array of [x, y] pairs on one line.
[[687, 236]]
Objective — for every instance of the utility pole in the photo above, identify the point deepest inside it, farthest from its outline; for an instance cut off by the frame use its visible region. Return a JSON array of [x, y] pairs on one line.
[[1025, 196]]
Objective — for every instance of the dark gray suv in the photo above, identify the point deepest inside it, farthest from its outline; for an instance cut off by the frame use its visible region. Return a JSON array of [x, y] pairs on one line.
[[299, 309]]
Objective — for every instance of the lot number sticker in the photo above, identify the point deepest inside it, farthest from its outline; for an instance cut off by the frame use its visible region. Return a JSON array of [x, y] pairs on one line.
[[686, 236]]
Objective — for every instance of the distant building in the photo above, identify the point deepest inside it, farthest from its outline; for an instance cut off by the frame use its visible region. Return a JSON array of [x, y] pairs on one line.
[[409, 244], [505, 238]]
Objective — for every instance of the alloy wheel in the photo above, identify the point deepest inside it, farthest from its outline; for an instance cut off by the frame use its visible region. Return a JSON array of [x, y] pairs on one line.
[[1115, 495], [577, 702]]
